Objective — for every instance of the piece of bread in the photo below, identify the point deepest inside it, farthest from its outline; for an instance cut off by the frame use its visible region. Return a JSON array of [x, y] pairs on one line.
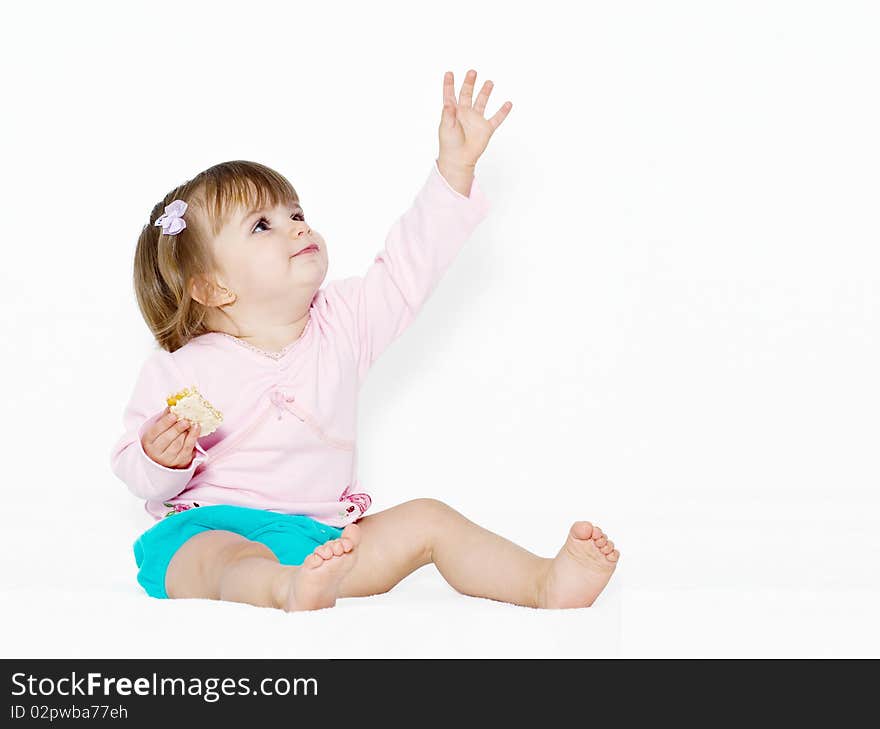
[[189, 403]]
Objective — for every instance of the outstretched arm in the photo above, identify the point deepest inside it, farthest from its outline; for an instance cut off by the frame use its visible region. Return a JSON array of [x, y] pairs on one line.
[[377, 307]]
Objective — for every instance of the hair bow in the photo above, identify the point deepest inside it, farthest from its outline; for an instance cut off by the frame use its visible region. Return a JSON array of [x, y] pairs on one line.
[[172, 221]]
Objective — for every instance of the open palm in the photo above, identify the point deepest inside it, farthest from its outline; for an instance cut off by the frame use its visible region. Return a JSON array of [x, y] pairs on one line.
[[464, 132]]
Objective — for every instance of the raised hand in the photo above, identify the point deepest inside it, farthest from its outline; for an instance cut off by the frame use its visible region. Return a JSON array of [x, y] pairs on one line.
[[464, 131]]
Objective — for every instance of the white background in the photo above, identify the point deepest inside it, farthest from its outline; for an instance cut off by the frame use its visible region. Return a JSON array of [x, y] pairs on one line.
[[667, 325]]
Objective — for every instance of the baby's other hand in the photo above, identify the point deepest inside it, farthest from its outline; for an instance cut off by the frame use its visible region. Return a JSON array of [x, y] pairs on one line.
[[169, 442]]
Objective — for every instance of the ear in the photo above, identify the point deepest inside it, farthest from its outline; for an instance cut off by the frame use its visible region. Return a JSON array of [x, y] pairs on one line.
[[208, 292]]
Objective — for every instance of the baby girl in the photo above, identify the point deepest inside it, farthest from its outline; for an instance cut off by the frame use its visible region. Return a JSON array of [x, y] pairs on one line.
[[267, 509]]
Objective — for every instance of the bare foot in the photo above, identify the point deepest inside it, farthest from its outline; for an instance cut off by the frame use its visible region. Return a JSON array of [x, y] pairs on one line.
[[581, 570], [315, 583]]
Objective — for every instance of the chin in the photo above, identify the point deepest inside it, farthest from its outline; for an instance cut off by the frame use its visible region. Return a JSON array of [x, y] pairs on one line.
[[313, 273]]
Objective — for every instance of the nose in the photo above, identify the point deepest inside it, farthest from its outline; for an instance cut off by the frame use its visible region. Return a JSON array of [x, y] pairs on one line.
[[298, 228]]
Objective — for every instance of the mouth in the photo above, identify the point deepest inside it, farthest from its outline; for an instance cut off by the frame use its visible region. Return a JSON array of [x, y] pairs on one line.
[[308, 249]]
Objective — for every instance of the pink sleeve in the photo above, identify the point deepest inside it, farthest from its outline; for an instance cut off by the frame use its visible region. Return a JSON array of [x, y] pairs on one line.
[[378, 306], [159, 377]]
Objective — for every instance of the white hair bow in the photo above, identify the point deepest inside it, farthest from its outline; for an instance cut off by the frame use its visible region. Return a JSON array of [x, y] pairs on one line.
[[172, 221]]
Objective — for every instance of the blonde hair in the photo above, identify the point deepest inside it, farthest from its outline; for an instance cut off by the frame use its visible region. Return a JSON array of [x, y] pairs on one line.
[[165, 265]]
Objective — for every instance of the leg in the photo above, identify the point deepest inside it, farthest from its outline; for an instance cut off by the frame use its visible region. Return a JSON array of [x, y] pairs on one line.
[[222, 565], [394, 543], [481, 563], [211, 565], [475, 561]]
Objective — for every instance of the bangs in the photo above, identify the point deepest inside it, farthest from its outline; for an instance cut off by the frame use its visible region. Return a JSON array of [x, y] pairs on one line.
[[235, 187]]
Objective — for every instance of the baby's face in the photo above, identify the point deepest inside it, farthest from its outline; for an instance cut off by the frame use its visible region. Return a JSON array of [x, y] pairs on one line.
[[260, 260]]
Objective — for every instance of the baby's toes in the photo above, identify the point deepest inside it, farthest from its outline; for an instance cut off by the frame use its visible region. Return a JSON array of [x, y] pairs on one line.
[[346, 545], [608, 548], [351, 534], [614, 556], [601, 541], [324, 550], [582, 530], [336, 546]]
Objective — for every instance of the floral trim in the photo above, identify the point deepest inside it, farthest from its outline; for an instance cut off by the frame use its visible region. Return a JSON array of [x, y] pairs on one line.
[[177, 508], [358, 501]]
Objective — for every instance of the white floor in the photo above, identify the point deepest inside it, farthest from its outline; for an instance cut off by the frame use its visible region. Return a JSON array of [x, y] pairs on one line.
[[752, 593], [422, 617]]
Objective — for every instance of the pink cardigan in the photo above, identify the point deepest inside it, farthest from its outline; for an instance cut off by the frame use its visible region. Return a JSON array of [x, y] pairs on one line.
[[287, 441]]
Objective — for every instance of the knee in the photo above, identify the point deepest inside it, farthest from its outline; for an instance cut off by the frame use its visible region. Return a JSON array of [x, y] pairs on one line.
[[433, 519], [218, 569], [431, 509], [242, 549], [196, 568]]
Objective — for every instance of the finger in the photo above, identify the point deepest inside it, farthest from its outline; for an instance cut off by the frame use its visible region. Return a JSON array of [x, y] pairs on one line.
[[171, 430], [160, 436], [172, 450], [448, 89], [173, 440], [447, 117], [483, 97], [500, 115], [467, 88], [168, 457], [161, 424], [186, 450]]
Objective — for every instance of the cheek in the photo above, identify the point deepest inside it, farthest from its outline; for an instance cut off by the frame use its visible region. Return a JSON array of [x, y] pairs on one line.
[[262, 266], [269, 257]]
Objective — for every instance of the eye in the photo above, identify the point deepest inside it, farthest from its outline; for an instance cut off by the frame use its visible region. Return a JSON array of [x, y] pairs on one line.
[[300, 215]]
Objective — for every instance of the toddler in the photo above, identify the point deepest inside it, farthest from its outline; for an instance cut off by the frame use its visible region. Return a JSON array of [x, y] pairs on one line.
[[267, 509]]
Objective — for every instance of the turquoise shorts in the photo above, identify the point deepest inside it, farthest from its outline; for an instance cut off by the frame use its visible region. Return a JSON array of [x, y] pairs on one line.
[[292, 537]]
